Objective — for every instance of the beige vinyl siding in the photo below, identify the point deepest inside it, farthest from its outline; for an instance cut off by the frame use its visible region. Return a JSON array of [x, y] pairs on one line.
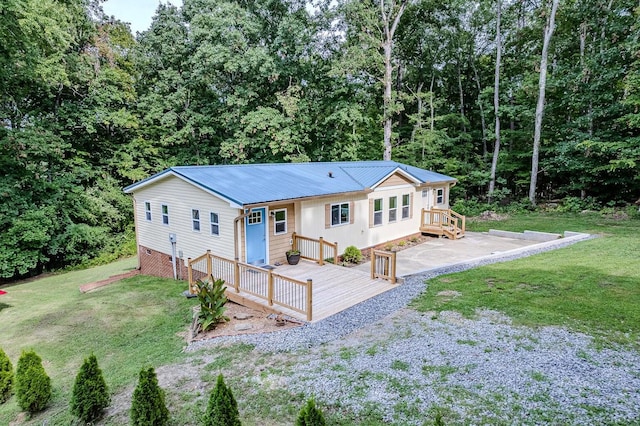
[[181, 198], [279, 244], [394, 180]]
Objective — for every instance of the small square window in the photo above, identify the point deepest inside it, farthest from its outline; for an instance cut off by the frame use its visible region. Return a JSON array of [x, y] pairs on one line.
[[255, 217], [339, 214], [280, 222], [165, 214], [215, 224]]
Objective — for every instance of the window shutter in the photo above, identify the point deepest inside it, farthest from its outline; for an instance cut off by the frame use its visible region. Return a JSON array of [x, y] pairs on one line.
[[411, 205], [371, 205], [351, 212], [327, 216]]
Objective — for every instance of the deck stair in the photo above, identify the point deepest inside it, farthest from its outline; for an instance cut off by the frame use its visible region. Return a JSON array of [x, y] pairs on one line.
[[443, 222]]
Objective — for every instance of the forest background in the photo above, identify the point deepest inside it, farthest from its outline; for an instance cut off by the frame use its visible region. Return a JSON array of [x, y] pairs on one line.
[[86, 107]]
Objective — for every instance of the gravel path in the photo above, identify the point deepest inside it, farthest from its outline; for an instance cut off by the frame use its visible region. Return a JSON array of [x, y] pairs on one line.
[[380, 356]]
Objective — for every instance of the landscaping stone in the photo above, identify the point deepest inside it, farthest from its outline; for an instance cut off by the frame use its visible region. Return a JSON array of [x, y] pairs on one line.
[[243, 327], [242, 316]]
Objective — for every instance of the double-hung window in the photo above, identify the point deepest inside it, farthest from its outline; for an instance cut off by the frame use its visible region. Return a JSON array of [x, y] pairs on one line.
[[393, 209], [165, 214], [147, 210], [377, 211], [339, 214], [195, 219], [406, 206], [440, 196], [215, 223], [280, 222]]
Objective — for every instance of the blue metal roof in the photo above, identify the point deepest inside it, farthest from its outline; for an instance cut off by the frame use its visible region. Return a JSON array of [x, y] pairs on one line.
[[260, 183]]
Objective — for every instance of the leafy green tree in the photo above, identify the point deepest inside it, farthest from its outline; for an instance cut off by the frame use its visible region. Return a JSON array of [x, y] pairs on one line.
[[222, 409], [90, 395], [6, 377], [33, 385], [148, 405], [310, 415]]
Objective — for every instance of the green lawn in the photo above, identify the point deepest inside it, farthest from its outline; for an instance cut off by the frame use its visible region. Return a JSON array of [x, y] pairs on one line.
[[592, 286], [127, 325]]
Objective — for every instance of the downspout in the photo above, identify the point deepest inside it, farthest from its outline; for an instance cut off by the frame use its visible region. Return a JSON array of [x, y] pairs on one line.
[[135, 226], [235, 234], [172, 239]]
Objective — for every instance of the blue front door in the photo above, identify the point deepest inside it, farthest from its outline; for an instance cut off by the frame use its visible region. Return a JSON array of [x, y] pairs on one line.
[[255, 237]]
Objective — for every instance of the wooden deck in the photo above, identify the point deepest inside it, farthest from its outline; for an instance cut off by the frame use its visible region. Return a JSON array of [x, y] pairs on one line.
[[335, 288]]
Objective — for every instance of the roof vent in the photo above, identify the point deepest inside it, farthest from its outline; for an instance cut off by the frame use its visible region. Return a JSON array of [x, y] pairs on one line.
[[330, 174]]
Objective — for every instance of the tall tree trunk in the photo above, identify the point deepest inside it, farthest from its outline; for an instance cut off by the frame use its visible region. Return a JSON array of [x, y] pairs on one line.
[[387, 47], [482, 118], [461, 92], [548, 32], [496, 103]]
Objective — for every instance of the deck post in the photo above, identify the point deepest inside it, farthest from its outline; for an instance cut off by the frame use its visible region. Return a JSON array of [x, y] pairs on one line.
[[321, 254], [335, 253], [190, 275], [294, 241], [236, 276], [373, 264], [309, 300], [209, 265], [393, 267], [270, 288]]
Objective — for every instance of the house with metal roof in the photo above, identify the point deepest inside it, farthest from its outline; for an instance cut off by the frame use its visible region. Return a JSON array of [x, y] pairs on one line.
[[252, 213]]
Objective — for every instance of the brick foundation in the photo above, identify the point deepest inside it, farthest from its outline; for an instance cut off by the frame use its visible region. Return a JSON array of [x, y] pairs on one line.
[[159, 264]]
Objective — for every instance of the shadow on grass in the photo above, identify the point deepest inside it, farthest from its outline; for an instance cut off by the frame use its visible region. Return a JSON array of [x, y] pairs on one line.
[[4, 306]]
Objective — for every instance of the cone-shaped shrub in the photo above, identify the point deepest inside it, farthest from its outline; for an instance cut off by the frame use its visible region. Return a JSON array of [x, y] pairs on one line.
[[148, 407], [310, 415], [33, 386], [90, 395], [6, 377], [222, 409]]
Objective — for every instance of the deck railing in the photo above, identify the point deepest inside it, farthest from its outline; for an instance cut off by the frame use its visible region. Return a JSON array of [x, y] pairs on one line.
[[264, 284], [315, 250], [443, 222], [383, 265]]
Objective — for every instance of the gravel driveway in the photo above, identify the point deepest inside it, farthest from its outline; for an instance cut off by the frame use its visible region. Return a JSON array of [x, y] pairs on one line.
[[404, 365]]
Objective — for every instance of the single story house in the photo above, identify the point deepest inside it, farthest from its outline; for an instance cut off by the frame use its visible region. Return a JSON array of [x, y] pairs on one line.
[[250, 212]]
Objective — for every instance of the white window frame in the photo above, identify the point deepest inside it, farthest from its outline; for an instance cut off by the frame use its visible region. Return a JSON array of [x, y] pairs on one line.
[[440, 196], [378, 214], [406, 208], [147, 211], [425, 193], [393, 211], [195, 220], [276, 222], [340, 207], [164, 209], [214, 224]]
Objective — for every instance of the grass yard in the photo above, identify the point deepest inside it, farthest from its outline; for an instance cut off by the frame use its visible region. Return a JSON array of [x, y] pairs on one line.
[[593, 286], [127, 325]]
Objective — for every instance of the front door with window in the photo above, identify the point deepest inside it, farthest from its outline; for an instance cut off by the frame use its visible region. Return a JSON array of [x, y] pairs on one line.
[[256, 237]]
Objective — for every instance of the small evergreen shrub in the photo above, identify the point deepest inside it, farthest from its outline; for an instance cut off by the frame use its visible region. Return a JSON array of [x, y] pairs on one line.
[[212, 300], [90, 395], [33, 386], [310, 415], [6, 377], [352, 254], [148, 406], [222, 409]]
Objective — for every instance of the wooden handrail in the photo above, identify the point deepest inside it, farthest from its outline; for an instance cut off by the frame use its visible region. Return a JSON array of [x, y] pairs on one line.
[[315, 250], [261, 281], [383, 265]]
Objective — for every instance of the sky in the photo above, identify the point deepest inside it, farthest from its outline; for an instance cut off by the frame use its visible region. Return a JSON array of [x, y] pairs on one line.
[[136, 12]]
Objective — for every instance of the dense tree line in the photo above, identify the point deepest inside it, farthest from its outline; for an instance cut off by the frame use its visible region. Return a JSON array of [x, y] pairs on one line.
[[87, 107]]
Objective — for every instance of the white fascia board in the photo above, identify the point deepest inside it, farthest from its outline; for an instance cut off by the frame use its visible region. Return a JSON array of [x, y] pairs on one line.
[[400, 171]]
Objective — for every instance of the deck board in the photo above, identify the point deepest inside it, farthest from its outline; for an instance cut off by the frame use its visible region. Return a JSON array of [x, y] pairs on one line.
[[335, 288]]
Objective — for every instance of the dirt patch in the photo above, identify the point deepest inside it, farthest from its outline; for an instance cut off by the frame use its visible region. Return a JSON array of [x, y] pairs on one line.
[[243, 320], [449, 293]]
